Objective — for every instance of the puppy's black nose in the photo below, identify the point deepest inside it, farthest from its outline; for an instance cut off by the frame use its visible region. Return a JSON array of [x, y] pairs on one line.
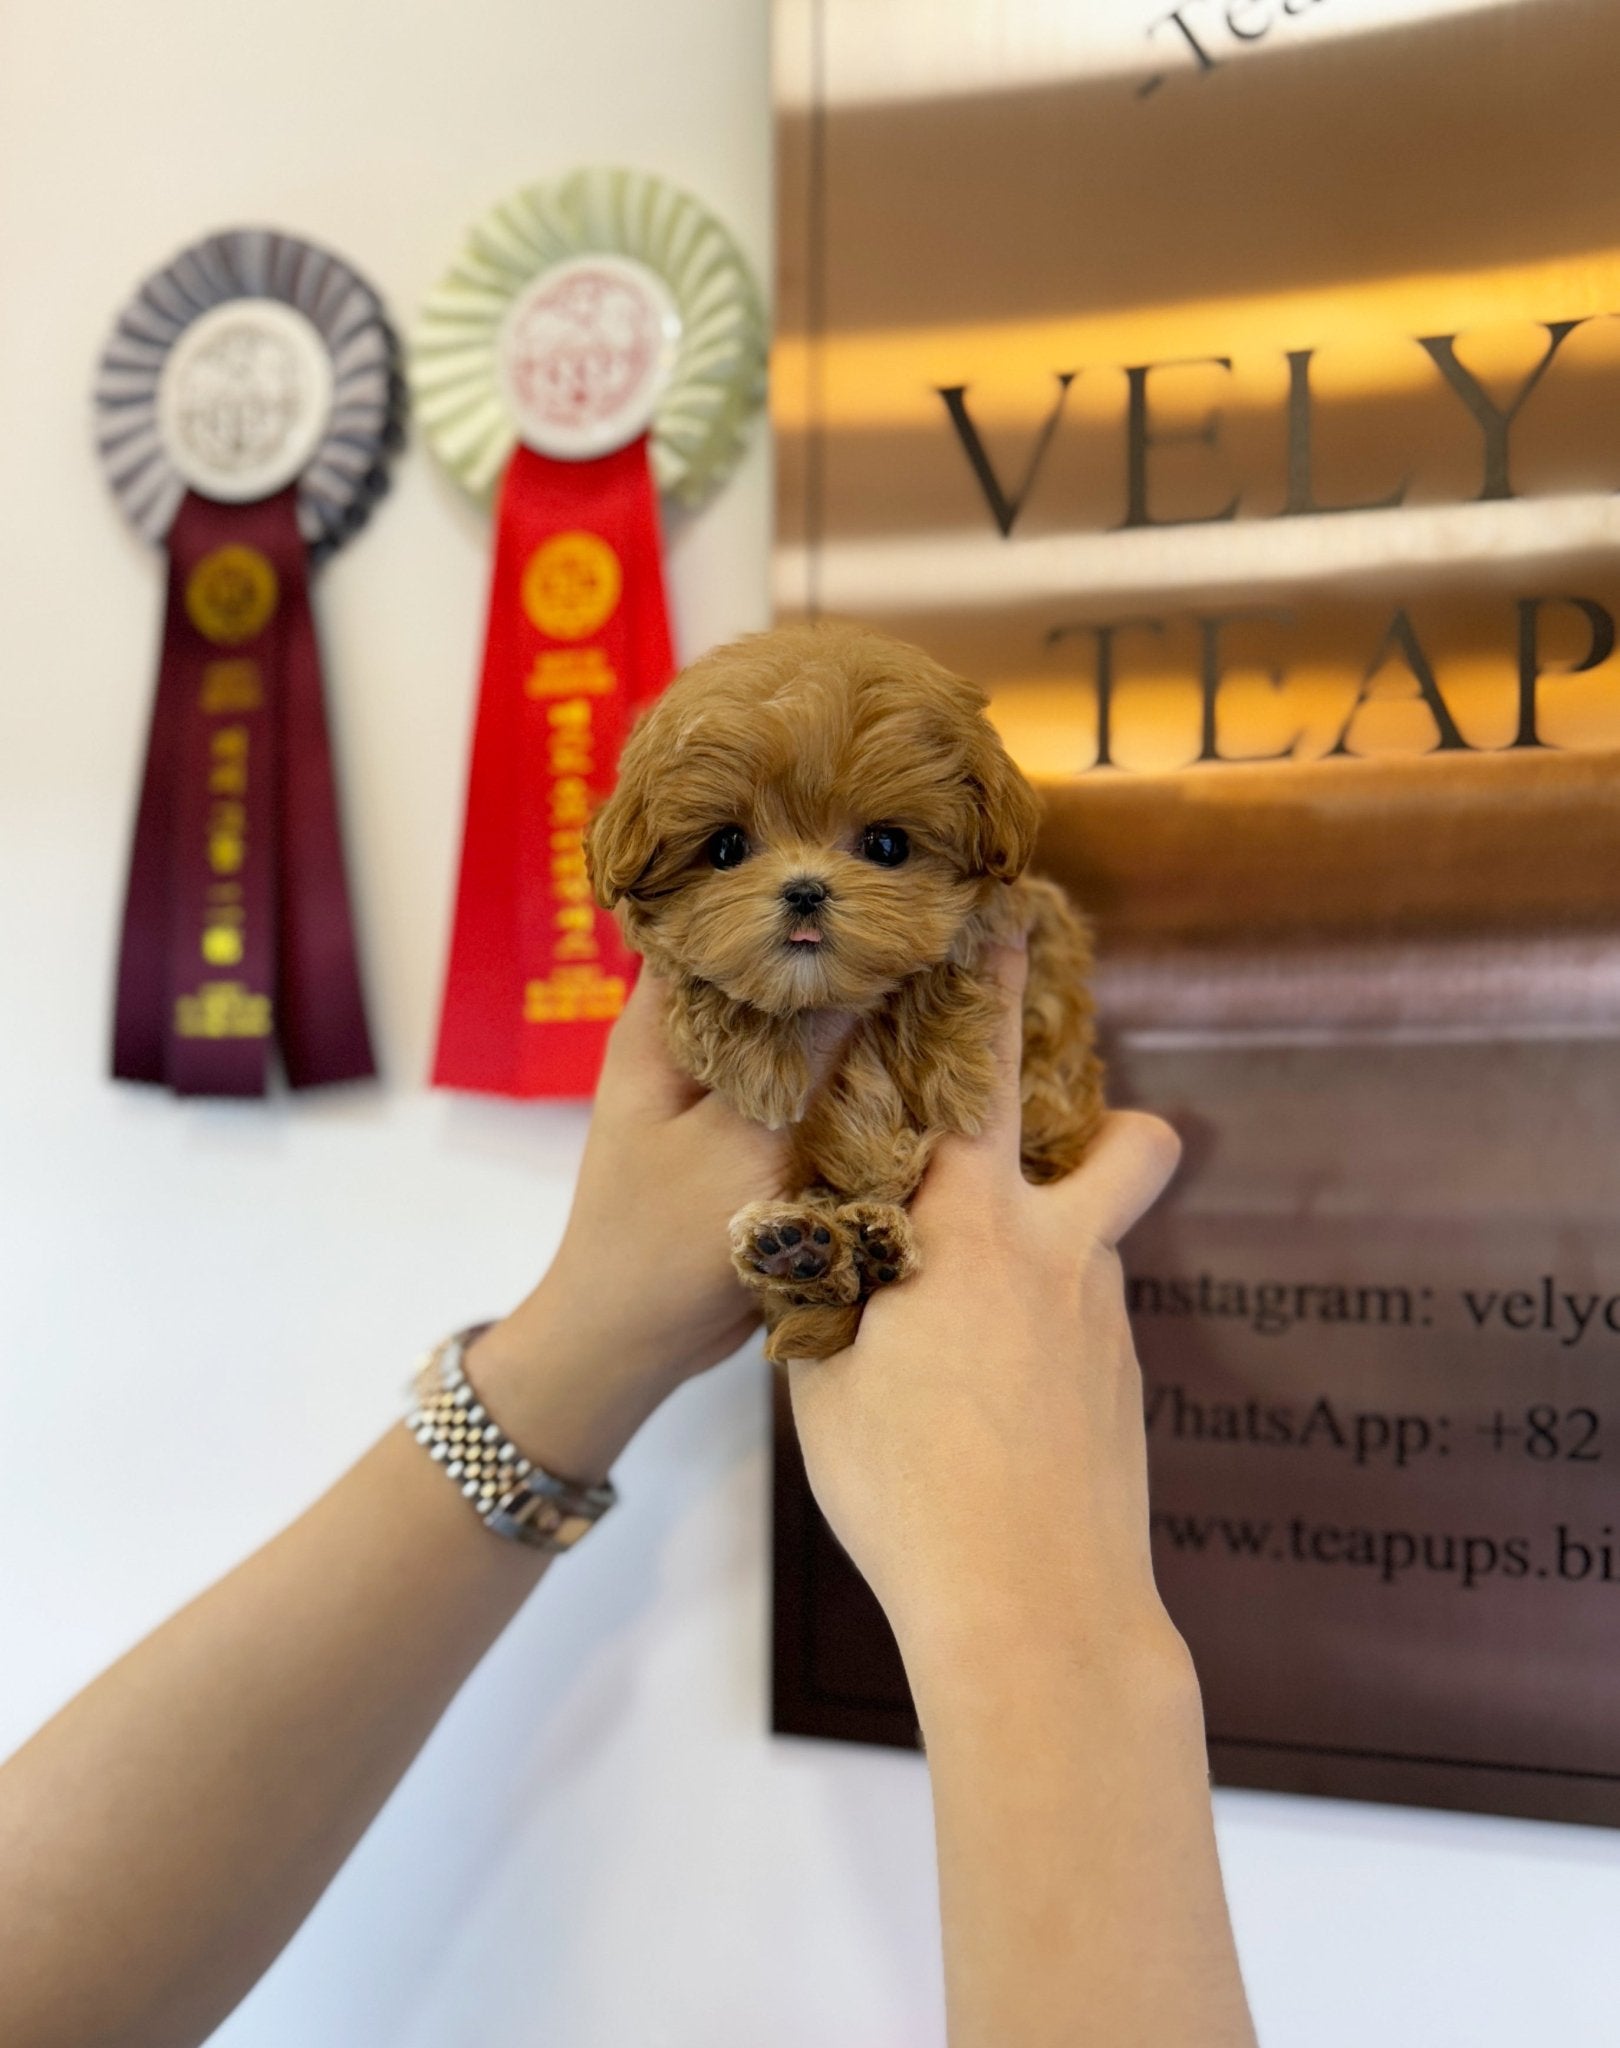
[[804, 895]]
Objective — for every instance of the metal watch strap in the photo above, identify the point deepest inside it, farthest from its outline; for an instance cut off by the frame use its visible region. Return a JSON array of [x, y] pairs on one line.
[[509, 1492]]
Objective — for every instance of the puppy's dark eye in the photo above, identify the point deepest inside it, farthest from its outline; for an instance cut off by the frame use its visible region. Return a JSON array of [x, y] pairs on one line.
[[728, 848], [886, 846]]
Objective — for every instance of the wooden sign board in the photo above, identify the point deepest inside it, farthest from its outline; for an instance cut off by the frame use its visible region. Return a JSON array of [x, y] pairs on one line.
[[1235, 392]]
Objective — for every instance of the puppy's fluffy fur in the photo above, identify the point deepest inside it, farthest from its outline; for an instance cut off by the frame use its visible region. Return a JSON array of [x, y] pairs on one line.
[[749, 851]]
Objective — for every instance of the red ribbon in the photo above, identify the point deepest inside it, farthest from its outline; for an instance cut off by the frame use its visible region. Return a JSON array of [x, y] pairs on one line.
[[578, 641], [237, 930]]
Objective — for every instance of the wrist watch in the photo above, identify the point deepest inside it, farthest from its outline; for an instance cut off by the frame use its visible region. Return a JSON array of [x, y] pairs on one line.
[[509, 1492]]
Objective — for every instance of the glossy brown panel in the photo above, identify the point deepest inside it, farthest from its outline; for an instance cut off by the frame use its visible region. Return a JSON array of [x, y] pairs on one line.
[[1379, 1320], [1239, 402]]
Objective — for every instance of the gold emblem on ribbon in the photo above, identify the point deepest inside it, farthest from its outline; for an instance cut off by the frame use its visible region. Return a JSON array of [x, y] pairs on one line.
[[222, 1009], [231, 595], [574, 995], [571, 585], [233, 685], [570, 672]]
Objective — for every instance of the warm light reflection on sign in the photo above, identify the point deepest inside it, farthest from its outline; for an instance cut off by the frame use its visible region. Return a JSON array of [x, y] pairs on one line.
[[1273, 419], [1371, 450]]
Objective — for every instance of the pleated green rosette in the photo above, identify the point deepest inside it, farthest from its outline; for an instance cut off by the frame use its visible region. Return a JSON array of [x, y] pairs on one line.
[[717, 377]]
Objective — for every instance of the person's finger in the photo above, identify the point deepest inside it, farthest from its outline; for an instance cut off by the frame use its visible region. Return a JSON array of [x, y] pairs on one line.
[[638, 1071], [959, 1162], [1127, 1168], [1009, 966]]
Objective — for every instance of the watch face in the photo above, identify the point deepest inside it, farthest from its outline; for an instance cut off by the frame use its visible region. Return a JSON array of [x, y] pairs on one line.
[[541, 1515], [541, 1519]]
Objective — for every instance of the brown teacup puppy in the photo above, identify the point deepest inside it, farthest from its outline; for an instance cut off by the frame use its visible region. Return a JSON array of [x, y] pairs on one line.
[[819, 821]]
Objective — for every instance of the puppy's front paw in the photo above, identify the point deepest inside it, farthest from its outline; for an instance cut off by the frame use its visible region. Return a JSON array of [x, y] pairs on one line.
[[885, 1250], [796, 1250]]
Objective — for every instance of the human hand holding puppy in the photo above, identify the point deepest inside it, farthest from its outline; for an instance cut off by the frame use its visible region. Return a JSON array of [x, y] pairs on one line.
[[979, 1450], [603, 1339]]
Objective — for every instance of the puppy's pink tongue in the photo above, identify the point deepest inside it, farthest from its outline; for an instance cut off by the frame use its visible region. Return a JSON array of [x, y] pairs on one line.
[[804, 935]]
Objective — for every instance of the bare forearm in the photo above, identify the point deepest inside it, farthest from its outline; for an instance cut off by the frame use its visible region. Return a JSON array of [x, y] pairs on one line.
[[163, 1837], [1080, 1895]]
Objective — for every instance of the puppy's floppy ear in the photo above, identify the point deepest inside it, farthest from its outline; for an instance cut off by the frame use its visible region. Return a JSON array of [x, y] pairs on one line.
[[619, 842], [1006, 813]]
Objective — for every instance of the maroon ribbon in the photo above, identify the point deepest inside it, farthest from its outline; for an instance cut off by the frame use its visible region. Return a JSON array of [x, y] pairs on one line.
[[237, 929]]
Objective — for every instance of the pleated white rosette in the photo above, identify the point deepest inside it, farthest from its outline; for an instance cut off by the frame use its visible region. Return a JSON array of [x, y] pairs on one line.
[[711, 381]]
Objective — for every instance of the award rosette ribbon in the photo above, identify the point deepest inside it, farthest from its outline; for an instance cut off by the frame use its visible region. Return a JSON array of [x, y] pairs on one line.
[[246, 407], [599, 340]]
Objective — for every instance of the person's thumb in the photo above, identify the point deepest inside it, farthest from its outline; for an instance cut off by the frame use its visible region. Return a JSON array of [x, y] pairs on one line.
[[1127, 1168], [961, 1166]]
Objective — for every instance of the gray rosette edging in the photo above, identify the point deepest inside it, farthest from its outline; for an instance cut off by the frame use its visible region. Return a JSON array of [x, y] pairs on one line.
[[348, 472]]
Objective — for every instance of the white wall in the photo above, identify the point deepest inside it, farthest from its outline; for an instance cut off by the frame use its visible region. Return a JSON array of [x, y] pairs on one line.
[[601, 1846]]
